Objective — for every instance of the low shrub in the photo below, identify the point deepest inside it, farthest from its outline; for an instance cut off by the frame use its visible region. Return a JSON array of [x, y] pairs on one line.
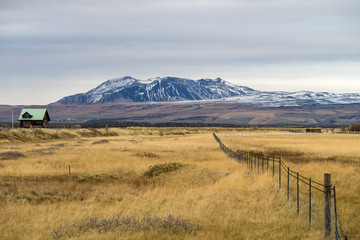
[[156, 170]]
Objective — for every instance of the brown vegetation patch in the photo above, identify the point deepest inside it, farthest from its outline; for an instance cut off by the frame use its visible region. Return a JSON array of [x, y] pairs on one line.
[[102, 141], [302, 157], [127, 224], [124, 178], [92, 132], [147, 155], [34, 134], [59, 145], [98, 178], [42, 152], [156, 170], [34, 197], [11, 155]]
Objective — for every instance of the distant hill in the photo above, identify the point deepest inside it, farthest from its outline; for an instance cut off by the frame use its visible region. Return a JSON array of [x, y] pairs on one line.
[[172, 89]]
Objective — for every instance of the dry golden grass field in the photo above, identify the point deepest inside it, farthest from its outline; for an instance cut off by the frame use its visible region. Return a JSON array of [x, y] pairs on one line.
[[167, 184]]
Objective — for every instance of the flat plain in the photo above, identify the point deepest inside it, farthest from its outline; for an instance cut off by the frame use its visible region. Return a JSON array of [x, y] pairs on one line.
[[170, 183]]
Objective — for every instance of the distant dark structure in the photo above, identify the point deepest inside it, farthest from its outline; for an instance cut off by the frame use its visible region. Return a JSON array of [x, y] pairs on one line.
[[34, 118], [313, 130]]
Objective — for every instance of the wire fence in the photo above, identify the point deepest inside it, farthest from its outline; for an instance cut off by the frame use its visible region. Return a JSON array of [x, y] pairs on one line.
[[332, 222]]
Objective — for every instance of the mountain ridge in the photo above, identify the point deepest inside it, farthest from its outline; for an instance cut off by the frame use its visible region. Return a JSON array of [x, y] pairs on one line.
[[157, 90], [174, 89]]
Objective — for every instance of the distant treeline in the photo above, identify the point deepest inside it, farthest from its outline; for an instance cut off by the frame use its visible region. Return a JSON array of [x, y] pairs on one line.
[[354, 127], [164, 124], [124, 124]]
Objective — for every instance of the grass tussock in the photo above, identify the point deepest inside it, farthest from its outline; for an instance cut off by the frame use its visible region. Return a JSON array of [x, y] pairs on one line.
[[102, 141], [27, 135], [11, 155], [34, 197], [147, 155], [128, 225], [97, 178], [158, 169]]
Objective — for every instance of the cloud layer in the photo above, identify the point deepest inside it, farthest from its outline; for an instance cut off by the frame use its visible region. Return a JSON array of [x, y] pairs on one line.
[[62, 47]]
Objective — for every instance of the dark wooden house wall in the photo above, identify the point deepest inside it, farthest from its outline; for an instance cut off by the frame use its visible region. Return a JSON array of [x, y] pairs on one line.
[[316, 130], [36, 124]]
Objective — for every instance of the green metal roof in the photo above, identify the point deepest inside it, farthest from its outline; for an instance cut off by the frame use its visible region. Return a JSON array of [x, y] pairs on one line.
[[36, 114]]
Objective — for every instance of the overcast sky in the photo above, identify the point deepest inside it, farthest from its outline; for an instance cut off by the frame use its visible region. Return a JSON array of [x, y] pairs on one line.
[[51, 49]]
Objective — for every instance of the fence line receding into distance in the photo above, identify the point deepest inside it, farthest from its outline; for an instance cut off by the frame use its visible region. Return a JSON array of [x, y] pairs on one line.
[[252, 160]]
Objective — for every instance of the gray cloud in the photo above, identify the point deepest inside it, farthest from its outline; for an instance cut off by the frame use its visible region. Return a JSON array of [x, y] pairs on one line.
[[54, 43]]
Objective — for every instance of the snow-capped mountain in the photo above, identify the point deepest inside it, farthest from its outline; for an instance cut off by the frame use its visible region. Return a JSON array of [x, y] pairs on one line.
[[171, 89], [166, 89], [293, 99]]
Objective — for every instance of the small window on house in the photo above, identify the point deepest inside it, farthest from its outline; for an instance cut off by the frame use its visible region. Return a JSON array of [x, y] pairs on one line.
[[27, 115]]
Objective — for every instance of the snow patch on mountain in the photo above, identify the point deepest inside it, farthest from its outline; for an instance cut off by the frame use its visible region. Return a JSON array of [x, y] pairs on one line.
[[293, 99]]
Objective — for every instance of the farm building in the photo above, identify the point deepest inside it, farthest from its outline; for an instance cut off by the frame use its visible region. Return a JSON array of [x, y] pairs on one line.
[[313, 130], [34, 118]]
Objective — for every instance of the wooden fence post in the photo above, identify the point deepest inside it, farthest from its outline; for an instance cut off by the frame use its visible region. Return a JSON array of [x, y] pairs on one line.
[[279, 172], [335, 216], [254, 161], [273, 166], [309, 202], [69, 173], [297, 193], [288, 183], [251, 161], [247, 159], [327, 205]]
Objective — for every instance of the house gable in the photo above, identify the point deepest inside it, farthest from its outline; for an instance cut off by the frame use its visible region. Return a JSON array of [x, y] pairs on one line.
[[34, 115]]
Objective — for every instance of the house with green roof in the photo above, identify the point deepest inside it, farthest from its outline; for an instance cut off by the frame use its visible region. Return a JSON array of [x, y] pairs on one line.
[[34, 118]]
